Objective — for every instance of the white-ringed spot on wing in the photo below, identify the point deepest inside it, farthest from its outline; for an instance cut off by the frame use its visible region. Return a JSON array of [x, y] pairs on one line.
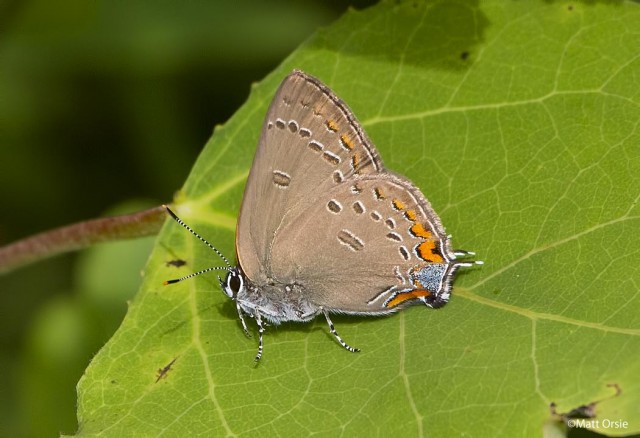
[[331, 158], [358, 207], [334, 206], [315, 146], [394, 236], [281, 179], [350, 240], [293, 126], [304, 133]]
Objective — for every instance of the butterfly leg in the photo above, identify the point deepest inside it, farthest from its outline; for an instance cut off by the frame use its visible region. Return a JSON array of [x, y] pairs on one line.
[[333, 331], [244, 324], [260, 332]]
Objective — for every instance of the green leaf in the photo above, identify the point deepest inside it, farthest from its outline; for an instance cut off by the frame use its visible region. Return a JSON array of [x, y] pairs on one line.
[[519, 121]]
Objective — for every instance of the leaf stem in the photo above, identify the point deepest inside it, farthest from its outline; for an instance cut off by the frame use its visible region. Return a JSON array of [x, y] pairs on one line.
[[80, 235]]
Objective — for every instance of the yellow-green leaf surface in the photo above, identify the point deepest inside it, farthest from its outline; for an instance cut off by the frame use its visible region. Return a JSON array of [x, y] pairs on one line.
[[519, 121]]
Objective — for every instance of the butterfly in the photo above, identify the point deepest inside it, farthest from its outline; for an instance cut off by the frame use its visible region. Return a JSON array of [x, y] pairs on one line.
[[325, 228]]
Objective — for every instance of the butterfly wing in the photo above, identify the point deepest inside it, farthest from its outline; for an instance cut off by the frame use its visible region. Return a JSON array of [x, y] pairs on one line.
[[361, 246], [310, 144]]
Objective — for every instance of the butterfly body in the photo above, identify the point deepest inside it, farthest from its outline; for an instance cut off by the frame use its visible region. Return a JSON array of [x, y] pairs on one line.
[[276, 302]]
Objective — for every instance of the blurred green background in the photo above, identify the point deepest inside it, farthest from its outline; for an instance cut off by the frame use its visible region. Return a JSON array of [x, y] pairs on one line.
[[104, 106]]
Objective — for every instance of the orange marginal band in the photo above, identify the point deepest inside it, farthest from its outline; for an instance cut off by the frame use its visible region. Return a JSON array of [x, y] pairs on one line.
[[332, 126], [419, 231], [411, 215], [398, 204], [355, 162], [425, 252], [406, 296], [346, 141]]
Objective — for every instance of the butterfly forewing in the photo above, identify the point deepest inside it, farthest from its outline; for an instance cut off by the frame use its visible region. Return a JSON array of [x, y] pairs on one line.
[[310, 143]]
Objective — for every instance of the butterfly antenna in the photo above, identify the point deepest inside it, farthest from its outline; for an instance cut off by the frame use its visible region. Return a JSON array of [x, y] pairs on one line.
[[202, 239], [204, 271]]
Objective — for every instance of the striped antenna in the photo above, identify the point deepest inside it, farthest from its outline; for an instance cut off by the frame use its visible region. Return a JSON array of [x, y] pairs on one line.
[[204, 271], [203, 240]]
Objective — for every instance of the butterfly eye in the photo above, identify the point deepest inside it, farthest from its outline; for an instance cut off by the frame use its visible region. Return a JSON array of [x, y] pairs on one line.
[[233, 283]]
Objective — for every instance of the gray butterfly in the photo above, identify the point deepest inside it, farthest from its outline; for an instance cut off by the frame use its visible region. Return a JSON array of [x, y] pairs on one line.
[[325, 228]]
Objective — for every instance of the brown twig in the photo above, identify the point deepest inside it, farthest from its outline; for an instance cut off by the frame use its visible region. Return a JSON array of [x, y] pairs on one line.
[[80, 235]]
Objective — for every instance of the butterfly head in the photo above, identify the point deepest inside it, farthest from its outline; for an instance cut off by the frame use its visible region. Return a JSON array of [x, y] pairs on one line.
[[233, 283]]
